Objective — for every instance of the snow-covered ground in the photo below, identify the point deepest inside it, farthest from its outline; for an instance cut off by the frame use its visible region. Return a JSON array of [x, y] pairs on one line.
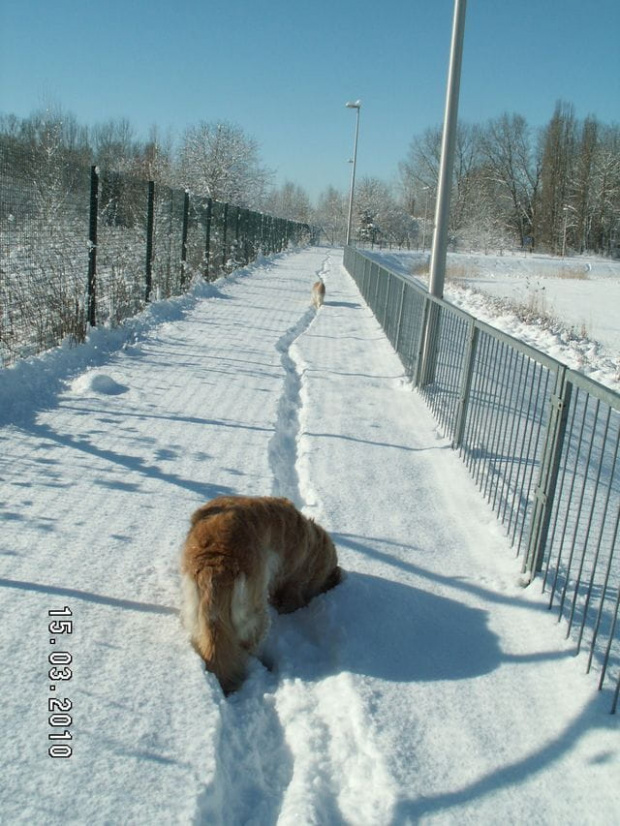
[[427, 688], [577, 299]]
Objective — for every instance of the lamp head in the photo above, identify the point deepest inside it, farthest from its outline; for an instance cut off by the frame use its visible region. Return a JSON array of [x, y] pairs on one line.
[[354, 104]]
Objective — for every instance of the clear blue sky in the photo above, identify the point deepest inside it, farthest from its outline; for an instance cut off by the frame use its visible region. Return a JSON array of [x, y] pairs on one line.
[[284, 70]]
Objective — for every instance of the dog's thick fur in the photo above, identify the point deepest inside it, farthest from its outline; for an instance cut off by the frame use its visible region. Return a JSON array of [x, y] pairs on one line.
[[318, 294], [242, 553]]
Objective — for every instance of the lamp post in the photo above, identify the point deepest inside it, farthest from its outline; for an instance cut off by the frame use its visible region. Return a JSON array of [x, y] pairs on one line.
[[439, 249], [357, 105], [448, 144]]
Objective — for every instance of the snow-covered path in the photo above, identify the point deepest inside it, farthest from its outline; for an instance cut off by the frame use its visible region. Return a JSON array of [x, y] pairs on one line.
[[427, 688]]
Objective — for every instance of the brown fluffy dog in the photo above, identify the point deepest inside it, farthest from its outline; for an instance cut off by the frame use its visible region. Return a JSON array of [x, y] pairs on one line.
[[318, 294], [242, 553]]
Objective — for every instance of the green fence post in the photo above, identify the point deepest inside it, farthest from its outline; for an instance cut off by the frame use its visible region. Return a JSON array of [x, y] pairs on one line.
[[224, 234], [184, 239], [92, 246], [150, 224], [208, 237]]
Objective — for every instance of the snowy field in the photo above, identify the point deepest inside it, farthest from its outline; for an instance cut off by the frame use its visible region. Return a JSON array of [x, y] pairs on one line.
[[427, 688], [577, 298]]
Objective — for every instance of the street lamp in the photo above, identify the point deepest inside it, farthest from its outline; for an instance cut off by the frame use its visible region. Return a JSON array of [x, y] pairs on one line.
[[357, 105], [448, 146]]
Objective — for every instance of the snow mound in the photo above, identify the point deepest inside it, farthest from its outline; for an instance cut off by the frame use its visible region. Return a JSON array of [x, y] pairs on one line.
[[98, 383]]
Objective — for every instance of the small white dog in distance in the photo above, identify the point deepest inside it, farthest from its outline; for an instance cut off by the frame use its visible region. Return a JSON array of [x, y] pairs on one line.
[[318, 294], [241, 554]]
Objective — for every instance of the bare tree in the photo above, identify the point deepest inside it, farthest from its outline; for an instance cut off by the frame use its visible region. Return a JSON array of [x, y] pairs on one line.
[[219, 160], [558, 151], [289, 201], [114, 145], [513, 170], [332, 214], [604, 230], [419, 172], [381, 219]]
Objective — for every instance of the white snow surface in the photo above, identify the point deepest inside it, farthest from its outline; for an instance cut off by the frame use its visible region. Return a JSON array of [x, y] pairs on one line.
[[578, 298], [429, 687]]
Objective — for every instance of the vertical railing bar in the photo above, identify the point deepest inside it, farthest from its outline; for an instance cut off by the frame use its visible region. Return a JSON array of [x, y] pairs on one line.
[[599, 543], [526, 444], [614, 704], [407, 345], [610, 640], [496, 418], [478, 391], [584, 552], [387, 300], [517, 442], [375, 299], [418, 317], [497, 425], [605, 586], [495, 343], [506, 446], [420, 342], [599, 617], [399, 323], [458, 374], [559, 496], [569, 497], [441, 367], [524, 363], [466, 385], [529, 475], [491, 421], [579, 509]]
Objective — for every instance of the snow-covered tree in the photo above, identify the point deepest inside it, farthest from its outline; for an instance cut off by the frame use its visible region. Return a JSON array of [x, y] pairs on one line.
[[290, 201], [331, 215], [220, 161]]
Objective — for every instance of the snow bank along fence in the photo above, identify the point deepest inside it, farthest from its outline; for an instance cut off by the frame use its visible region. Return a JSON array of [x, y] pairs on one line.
[[84, 247], [540, 440]]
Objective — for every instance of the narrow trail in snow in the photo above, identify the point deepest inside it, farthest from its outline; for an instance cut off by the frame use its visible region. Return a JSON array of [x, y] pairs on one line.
[[283, 445], [252, 744]]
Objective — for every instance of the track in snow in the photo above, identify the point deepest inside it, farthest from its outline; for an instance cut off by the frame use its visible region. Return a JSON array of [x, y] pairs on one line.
[[283, 445]]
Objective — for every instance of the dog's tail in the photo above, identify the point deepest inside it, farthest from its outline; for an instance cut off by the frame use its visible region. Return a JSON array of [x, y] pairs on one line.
[[206, 615]]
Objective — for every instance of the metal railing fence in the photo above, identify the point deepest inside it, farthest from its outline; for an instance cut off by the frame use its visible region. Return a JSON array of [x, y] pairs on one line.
[[80, 247], [541, 442]]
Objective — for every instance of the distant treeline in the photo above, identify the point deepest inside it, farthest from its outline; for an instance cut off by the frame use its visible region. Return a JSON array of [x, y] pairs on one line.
[[555, 189]]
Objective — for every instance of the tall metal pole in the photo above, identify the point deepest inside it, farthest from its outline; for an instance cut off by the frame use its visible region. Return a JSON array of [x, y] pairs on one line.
[[442, 213], [357, 105]]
